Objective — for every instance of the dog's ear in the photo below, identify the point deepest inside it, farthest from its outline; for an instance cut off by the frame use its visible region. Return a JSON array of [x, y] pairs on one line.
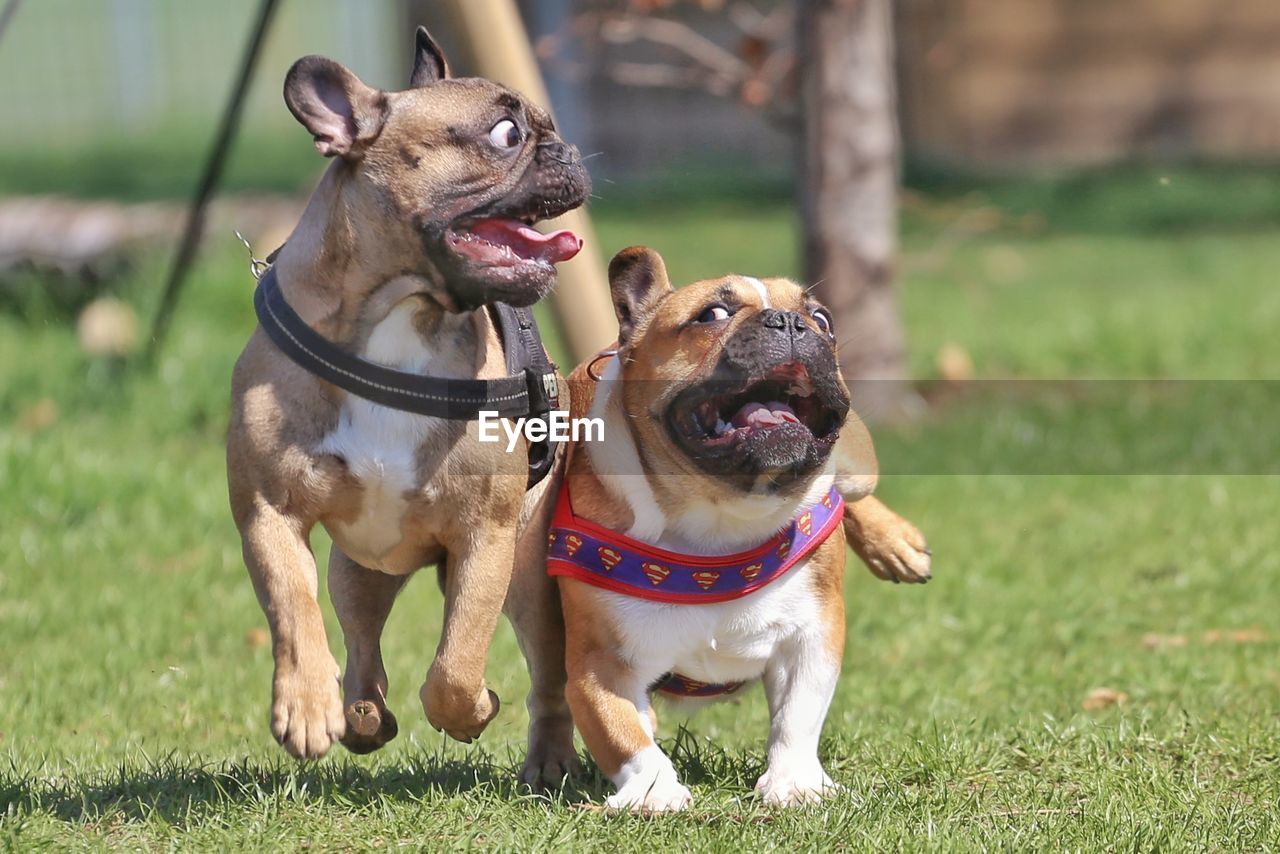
[[637, 281], [429, 63], [342, 112]]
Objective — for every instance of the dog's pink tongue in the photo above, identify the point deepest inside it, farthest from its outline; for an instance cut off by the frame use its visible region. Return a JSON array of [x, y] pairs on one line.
[[526, 242], [556, 246], [768, 414]]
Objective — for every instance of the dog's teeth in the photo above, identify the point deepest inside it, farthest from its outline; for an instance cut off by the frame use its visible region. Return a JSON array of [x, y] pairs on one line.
[[704, 415], [721, 426]]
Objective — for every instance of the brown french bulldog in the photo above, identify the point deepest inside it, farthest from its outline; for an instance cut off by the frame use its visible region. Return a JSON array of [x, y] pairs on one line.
[[699, 542], [421, 221]]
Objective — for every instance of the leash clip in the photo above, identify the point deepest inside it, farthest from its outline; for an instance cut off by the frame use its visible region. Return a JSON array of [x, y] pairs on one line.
[[256, 265]]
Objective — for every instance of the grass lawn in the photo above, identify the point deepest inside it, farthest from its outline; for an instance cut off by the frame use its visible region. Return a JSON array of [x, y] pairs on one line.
[[135, 679]]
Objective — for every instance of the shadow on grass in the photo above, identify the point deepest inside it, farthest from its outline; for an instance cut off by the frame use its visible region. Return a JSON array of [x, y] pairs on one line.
[[184, 793]]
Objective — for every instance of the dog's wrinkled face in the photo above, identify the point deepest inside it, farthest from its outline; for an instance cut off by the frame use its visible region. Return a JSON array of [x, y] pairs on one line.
[[735, 379], [457, 169]]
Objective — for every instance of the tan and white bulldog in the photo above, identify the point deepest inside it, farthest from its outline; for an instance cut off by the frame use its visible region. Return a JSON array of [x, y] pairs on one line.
[[726, 431], [420, 222]]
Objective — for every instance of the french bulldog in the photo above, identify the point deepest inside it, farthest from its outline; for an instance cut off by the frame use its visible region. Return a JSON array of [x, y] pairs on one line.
[[699, 545], [422, 220]]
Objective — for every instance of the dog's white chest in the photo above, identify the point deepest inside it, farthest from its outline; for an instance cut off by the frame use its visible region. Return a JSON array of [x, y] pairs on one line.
[[380, 445], [719, 642]]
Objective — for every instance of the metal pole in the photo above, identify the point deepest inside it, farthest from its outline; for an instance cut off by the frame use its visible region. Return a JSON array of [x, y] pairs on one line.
[[6, 17], [209, 181]]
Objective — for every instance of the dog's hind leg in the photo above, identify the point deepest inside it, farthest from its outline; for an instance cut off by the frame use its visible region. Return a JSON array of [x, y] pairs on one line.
[[533, 607], [306, 709], [363, 598]]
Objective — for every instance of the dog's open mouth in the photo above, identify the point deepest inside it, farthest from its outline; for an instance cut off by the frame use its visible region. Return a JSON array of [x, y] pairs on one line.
[[782, 406], [510, 242], [492, 252]]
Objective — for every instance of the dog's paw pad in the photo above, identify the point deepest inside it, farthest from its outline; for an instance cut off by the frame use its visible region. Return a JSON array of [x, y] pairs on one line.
[[368, 727]]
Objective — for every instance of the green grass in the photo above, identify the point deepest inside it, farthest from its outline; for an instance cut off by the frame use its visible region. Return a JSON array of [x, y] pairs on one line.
[[1130, 198], [135, 696]]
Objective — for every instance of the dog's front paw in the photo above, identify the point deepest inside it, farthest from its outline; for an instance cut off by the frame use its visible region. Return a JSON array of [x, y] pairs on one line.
[[551, 756], [648, 784], [660, 796], [789, 786], [461, 715], [306, 707], [369, 726], [891, 547]]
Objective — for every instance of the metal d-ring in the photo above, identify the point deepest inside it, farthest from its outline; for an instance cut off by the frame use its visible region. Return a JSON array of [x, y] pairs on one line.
[[591, 366]]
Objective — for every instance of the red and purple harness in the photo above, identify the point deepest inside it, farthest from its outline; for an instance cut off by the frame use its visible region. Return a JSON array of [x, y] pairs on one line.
[[581, 549]]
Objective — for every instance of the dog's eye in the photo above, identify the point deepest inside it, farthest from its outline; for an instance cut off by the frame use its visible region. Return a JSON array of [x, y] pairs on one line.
[[505, 134], [713, 313], [823, 320]]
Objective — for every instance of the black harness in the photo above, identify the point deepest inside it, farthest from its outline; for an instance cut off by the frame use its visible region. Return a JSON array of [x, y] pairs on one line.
[[530, 391]]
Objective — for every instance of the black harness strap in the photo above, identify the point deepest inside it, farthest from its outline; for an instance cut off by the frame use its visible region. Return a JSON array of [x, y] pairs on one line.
[[522, 346], [529, 392]]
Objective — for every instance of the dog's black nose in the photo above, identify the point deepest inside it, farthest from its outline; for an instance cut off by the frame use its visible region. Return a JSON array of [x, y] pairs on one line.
[[561, 152], [772, 318]]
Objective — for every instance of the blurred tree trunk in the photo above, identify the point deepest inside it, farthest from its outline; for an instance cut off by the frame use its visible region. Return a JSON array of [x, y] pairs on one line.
[[849, 191]]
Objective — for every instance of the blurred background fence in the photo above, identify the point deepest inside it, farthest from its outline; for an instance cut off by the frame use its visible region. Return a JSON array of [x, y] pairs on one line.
[[73, 71], [987, 84]]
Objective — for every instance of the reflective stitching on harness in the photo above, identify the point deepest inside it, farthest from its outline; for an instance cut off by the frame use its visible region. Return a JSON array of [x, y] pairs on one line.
[[266, 303]]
